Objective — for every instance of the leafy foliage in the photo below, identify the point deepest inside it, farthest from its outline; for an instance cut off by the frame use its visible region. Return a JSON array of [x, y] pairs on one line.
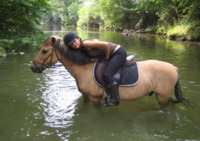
[[73, 15], [19, 16], [18, 20], [114, 13], [169, 17], [89, 15]]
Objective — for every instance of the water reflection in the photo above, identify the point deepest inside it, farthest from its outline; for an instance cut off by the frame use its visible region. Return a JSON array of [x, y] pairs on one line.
[[59, 99]]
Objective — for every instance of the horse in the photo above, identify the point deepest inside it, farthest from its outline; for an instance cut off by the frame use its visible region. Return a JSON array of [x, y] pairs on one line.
[[156, 77]]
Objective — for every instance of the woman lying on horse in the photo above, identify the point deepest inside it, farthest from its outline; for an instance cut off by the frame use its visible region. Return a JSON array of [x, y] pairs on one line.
[[114, 52]]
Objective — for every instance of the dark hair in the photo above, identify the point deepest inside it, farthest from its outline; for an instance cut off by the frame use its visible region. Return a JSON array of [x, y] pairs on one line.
[[77, 56]]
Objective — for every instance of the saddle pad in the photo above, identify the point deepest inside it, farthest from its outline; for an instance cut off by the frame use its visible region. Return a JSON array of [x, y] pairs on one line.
[[126, 76], [129, 76]]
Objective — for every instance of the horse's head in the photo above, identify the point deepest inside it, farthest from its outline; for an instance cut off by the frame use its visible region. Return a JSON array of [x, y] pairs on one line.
[[47, 55]]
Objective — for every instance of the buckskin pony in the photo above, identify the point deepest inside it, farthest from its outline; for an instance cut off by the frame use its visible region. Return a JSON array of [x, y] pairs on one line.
[[155, 76]]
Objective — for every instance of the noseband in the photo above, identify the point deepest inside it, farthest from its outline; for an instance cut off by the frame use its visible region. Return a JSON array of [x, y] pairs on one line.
[[49, 56]]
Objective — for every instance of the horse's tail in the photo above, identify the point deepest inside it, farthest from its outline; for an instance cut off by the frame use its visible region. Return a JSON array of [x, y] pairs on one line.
[[178, 92]]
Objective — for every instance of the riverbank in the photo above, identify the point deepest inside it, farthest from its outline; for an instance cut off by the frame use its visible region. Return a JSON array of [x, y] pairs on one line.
[[175, 35]]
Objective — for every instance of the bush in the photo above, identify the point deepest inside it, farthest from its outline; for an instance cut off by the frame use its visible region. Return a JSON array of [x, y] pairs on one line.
[[28, 40]]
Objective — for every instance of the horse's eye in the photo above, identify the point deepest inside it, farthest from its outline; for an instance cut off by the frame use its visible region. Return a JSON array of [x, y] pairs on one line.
[[44, 51]]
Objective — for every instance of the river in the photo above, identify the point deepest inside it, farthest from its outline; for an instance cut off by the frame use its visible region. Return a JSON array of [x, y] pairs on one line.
[[48, 106]]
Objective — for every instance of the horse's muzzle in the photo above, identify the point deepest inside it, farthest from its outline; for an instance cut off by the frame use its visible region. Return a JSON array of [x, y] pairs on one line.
[[37, 69]]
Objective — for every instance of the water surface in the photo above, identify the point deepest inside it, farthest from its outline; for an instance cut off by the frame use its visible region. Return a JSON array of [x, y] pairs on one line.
[[49, 107]]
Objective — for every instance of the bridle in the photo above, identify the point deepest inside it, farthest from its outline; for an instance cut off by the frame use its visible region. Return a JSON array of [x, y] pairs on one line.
[[53, 51]]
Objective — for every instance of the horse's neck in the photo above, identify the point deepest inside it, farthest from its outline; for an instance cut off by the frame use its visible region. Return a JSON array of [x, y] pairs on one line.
[[76, 70], [70, 66]]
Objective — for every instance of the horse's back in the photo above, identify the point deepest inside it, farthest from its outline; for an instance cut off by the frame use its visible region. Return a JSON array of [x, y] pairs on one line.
[[159, 74], [156, 65]]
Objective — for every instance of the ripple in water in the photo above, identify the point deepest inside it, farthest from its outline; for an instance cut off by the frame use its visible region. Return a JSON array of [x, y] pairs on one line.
[[59, 99]]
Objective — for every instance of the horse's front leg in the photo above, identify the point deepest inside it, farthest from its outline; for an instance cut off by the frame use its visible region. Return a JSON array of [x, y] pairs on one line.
[[95, 99], [85, 99]]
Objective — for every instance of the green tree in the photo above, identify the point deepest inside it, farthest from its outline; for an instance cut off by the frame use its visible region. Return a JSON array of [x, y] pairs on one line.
[[73, 13], [19, 16], [57, 7], [70, 14], [89, 15], [114, 13], [18, 22], [111, 12]]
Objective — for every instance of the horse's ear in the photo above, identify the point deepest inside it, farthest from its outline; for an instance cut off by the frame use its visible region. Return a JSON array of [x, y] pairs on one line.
[[53, 40]]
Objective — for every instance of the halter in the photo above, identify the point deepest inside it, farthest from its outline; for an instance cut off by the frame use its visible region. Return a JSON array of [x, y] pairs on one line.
[[50, 55]]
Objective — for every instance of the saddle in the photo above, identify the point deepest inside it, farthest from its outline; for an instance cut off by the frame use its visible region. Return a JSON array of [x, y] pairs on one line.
[[126, 76]]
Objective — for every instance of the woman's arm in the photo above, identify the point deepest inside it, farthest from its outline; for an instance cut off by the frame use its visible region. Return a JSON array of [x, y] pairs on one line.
[[98, 44]]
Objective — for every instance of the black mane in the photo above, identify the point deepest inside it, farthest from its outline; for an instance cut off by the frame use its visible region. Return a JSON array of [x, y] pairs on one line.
[[77, 56]]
